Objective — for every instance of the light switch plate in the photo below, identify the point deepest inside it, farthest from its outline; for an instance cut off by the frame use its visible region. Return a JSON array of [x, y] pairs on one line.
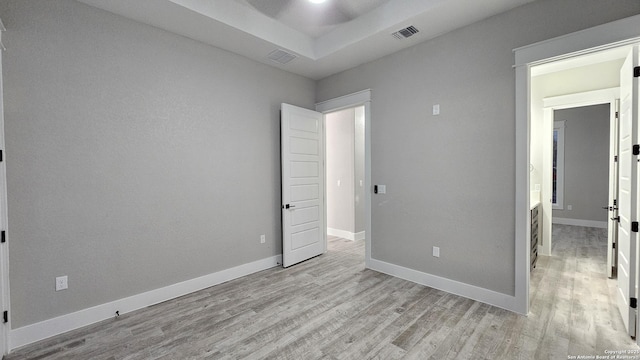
[[436, 109], [382, 189]]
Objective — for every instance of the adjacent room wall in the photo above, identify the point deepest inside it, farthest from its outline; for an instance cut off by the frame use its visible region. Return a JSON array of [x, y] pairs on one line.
[[586, 162], [136, 158], [340, 172], [345, 173], [450, 178]]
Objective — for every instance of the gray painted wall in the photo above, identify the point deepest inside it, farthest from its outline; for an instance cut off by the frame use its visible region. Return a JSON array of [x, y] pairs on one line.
[[340, 136], [586, 159], [450, 178], [136, 158]]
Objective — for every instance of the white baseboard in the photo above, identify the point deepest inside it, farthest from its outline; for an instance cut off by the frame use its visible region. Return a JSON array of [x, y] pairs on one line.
[[486, 296], [346, 234], [35, 332], [578, 222]]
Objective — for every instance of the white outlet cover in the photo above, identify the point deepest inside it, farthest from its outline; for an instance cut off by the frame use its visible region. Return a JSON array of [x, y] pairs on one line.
[[382, 189], [436, 109], [262, 239], [436, 251], [62, 283]]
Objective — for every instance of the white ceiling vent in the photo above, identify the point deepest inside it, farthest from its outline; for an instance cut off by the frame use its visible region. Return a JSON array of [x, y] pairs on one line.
[[405, 33], [281, 56]]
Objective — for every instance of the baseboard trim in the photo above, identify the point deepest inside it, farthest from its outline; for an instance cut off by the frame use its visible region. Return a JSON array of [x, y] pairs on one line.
[[346, 234], [579, 222], [486, 296], [39, 331]]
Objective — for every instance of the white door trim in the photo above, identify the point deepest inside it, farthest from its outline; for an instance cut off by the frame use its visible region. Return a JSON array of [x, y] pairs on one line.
[[361, 98], [606, 36], [4, 248]]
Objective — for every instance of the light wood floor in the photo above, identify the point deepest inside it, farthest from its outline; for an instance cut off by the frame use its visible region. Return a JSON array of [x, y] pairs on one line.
[[332, 308]]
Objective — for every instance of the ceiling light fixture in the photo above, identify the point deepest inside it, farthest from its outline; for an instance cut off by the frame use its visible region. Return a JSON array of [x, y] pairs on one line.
[[317, 1]]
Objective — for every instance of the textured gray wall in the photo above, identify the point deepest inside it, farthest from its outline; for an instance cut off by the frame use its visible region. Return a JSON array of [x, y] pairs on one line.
[[136, 158], [450, 178], [340, 167], [586, 162]]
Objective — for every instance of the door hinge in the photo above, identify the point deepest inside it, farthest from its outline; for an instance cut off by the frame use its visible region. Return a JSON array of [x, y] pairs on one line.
[[615, 158], [1, 157], [5, 316], [3, 237], [613, 245], [615, 202], [617, 114], [636, 149], [634, 226], [636, 71], [633, 302]]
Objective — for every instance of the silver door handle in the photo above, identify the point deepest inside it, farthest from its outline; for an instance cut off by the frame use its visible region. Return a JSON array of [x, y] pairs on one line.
[[288, 206]]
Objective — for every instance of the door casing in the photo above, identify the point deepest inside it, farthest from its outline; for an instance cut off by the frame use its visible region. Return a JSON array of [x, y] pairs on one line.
[[361, 98], [606, 36]]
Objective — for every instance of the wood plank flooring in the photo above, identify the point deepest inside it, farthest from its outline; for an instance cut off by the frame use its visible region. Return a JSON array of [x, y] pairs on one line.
[[331, 307]]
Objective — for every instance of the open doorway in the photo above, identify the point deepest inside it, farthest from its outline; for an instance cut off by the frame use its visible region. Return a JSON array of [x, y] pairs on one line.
[[344, 144], [573, 154], [362, 101], [561, 88]]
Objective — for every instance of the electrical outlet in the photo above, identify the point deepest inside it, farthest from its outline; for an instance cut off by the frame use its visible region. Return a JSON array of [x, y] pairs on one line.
[[436, 251], [62, 283], [263, 239], [436, 109]]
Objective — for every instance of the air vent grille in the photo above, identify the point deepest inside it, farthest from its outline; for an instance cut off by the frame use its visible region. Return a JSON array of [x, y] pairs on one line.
[[405, 33], [281, 56]]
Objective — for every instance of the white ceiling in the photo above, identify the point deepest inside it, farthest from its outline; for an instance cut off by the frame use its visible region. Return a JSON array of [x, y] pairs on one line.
[[326, 38]]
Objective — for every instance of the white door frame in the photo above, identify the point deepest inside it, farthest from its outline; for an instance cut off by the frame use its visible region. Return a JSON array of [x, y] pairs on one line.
[[606, 36], [597, 97], [4, 247], [361, 98]]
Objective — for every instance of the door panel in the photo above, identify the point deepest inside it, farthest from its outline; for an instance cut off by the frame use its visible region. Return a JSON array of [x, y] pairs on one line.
[[628, 192], [303, 227]]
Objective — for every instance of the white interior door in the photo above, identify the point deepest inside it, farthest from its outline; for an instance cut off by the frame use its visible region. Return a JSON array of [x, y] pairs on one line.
[[628, 191], [612, 222], [303, 215]]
